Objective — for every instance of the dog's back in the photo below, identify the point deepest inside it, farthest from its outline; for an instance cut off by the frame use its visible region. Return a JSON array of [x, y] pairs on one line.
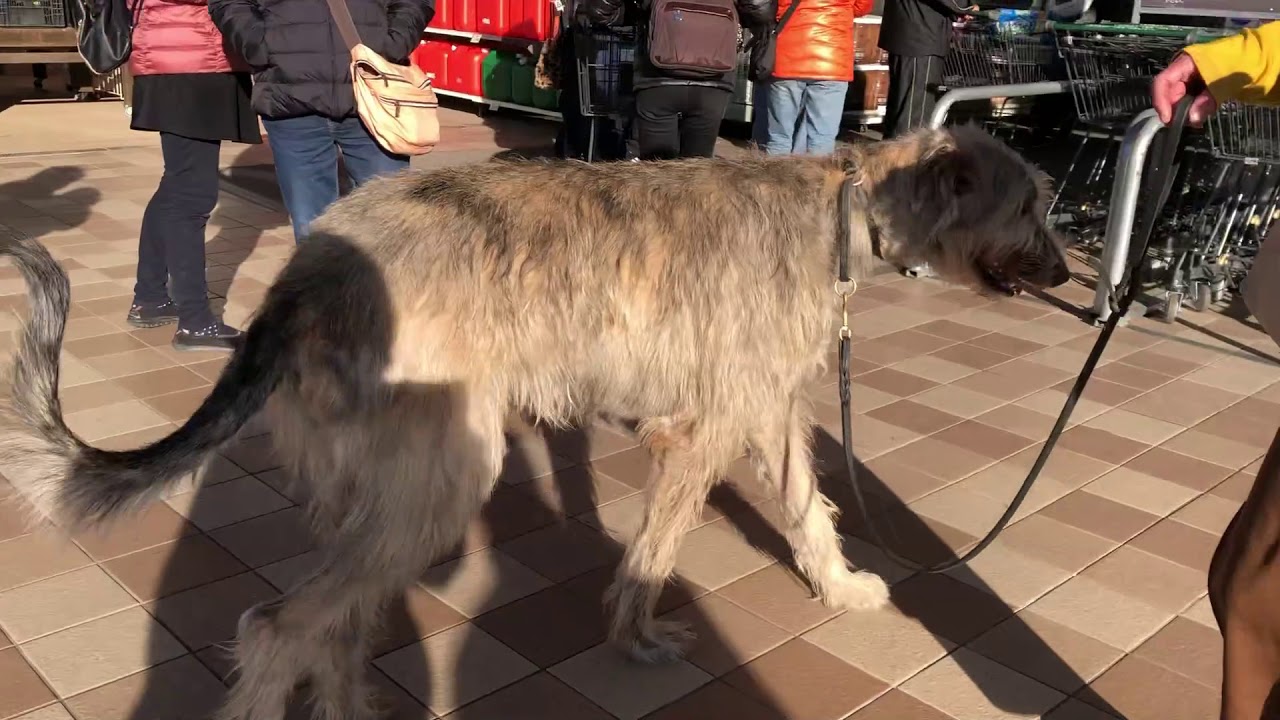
[[620, 273]]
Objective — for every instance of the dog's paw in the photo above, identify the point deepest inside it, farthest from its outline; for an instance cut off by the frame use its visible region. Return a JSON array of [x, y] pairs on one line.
[[662, 641], [857, 591]]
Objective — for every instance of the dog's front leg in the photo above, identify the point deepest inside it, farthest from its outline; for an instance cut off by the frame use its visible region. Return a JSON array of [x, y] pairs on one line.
[[782, 451], [677, 489]]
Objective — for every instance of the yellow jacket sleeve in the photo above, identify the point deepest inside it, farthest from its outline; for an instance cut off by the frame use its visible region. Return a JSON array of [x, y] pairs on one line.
[[1244, 67]]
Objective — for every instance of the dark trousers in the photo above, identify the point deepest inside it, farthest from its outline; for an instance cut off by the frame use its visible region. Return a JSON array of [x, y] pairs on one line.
[[679, 120], [171, 245], [913, 90]]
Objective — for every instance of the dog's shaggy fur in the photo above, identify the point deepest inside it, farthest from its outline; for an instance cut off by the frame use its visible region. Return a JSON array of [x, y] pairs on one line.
[[695, 296]]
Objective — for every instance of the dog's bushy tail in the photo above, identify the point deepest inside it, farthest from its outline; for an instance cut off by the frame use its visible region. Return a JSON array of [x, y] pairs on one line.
[[72, 481]]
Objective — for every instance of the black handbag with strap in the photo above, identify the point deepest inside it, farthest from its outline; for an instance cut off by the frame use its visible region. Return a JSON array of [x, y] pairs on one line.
[[764, 50], [105, 35]]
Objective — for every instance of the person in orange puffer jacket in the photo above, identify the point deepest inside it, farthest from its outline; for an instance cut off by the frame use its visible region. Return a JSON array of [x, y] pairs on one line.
[[812, 69]]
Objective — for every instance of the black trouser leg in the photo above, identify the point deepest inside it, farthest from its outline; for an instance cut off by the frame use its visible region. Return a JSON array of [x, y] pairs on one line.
[[658, 122], [700, 121], [913, 84], [171, 244]]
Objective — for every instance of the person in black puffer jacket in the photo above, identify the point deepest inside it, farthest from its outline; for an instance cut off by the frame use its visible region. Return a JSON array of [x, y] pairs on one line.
[[676, 117], [302, 88]]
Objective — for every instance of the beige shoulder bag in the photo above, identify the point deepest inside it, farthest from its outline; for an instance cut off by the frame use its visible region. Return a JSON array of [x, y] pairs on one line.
[[396, 102]]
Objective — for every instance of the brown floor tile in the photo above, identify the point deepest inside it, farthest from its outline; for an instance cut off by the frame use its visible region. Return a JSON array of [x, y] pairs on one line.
[[1178, 468], [48, 712], [1139, 428], [36, 556], [914, 416], [454, 668], [547, 627], [921, 540], [1235, 488], [940, 459], [1101, 391], [1209, 513], [892, 479], [968, 685], [1183, 402], [563, 550], [678, 591], [528, 457], [1189, 649], [715, 700], [162, 382], [1180, 543], [1048, 652], [1213, 449], [968, 612], [20, 687], [727, 635], [631, 466], [226, 503], [482, 581], [178, 690], [951, 330], [885, 643], [982, 439], [1016, 578], [897, 705], [1141, 491], [972, 356], [1139, 690], [415, 615], [103, 345], [253, 454], [155, 525], [1101, 445], [90, 396], [576, 490], [802, 681], [179, 406], [958, 401], [1100, 516], [627, 689], [267, 539], [779, 596], [208, 614], [15, 515], [1130, 375], [895, 382], [173, 567], [1006, 344], [537, 697]]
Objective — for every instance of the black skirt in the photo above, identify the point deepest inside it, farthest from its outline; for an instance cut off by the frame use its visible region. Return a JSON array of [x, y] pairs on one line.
[[200, 106]]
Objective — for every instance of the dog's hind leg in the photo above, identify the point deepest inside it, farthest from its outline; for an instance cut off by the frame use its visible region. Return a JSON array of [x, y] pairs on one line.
[[684, 468], [781, 449]]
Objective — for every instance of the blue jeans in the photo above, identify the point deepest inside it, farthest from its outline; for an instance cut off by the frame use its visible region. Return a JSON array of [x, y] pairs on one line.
[[804, 116], [306, 157]]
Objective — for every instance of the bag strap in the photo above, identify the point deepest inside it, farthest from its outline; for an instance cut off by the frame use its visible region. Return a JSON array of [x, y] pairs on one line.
[[786, 16], [346, 25]]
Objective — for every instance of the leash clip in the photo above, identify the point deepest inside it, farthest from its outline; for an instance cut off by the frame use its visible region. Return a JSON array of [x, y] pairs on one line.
[[845, 289]]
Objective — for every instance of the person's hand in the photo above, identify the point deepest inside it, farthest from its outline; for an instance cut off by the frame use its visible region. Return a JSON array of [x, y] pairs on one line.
[[1173, 84]]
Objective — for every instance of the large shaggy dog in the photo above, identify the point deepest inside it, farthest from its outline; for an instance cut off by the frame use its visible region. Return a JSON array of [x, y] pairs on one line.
[[694, 296]]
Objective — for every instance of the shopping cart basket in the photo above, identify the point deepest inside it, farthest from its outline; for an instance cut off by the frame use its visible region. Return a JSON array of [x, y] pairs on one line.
[[605, 62], [985, 51], [1111, 65]]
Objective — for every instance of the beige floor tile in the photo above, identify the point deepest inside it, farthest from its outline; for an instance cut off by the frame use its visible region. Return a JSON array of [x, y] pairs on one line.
[[1214, 449], [1209, 513], [624, 688], [60, 602], [99, 652], [1139, 690], [1093, 609], [21, 689], [286, 573], [181, 689], [958, 401], [36, 556], [960, 508], [1073, 709], [968, 686], [48, 712], [934, 368], [1015, 578], [454, 667], [155, 525], [162, 382], [208, 614], [799, 679], [1180, 543], [897, 705], [779, 596], [1189, 649], [173, 567], [727, 635], [1053, 654], [226, 503], [1100, 516], [715, 555], [1182, 402], [1052, 400], [1141, 491], [477, 583], [114, 419], [1201, 611], [1153, 580], [884, 643], [537, 697], [267, 539], [1147, 430]]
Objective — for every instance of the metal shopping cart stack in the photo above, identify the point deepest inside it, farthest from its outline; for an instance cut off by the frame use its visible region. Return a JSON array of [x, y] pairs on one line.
[[986, 51], [605, 59]]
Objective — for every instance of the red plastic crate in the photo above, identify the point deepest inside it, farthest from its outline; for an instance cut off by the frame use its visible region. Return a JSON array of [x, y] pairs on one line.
[[433, 57], [493, 17], [464, 15], [443, 19], [530, 19], [466, 69]]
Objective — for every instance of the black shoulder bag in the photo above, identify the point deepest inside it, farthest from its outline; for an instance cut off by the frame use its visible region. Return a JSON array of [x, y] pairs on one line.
[[105, 35], [765, 49]]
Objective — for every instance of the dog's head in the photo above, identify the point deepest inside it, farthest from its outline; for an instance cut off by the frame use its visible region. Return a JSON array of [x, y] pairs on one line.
[[966, 204]]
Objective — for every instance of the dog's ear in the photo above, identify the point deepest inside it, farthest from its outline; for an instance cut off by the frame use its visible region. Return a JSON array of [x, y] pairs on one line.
[[946, 180]]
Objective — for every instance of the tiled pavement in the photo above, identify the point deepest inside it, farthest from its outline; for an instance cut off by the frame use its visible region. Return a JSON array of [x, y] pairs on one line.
[[1091, 606]]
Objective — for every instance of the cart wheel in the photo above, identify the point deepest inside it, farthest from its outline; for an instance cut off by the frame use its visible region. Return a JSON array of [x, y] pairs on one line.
[[1200, 296], [1172, 303]]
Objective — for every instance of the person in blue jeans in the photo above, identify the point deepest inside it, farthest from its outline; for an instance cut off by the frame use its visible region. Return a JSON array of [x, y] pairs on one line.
[[302, 89], [813, 66]]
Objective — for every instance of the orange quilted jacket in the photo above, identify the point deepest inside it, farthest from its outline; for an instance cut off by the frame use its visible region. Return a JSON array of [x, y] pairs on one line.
[[817, 43]]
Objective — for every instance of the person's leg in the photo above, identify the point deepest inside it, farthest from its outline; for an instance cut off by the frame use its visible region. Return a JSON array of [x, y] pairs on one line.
[[658, 122], [823, 110], [362, 156], [784, 105], [898, 108], [700, 120], [152, 306], [306, 160]]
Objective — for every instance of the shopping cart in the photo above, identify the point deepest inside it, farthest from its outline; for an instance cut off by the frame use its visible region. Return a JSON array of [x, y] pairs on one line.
[[605, 59], [985, 51]]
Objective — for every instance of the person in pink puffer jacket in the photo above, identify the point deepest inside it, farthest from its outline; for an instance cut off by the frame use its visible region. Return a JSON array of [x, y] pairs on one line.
[[194, 92]]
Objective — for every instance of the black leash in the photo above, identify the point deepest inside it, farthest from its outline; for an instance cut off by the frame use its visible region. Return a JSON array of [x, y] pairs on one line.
[[1159, 183]]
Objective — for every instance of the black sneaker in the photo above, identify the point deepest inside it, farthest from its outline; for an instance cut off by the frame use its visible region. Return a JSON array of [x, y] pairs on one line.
[[149, 316], [217, 337]]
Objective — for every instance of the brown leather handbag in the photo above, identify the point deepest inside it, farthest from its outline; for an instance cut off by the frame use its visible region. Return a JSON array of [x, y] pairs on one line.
[[396, 102]]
